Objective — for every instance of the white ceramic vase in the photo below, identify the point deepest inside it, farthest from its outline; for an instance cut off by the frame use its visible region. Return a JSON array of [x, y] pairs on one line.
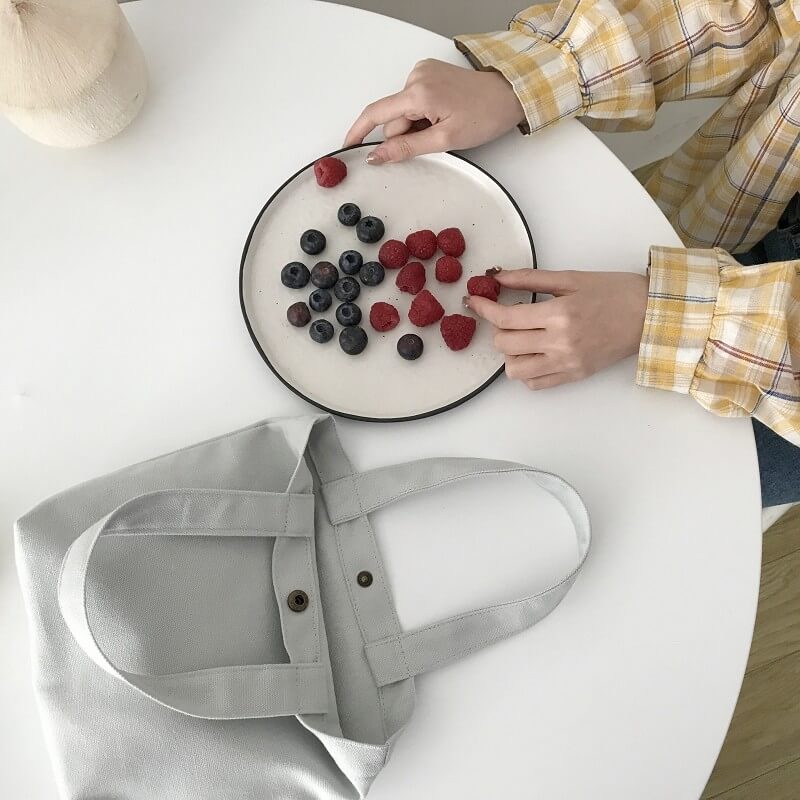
[[71, 71]]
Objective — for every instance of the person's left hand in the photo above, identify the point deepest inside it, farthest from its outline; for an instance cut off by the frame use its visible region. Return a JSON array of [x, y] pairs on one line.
[[443, 107], [594, 320]]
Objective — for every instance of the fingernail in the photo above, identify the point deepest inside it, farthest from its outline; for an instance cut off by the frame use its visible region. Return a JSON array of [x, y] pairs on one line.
[[375, 158], [494, 270], [465, 301]]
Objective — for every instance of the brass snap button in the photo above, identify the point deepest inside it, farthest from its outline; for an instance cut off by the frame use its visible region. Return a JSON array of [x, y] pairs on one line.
[[364, 579], [298, 600]]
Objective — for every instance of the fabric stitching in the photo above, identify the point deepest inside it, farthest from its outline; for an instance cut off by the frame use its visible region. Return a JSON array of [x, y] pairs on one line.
[[468, 615], [373, 544], [429, 487], [337, 538], [400, 640], [408, 673], [176, 531], [268, 667], [353, 601], [310, 568]]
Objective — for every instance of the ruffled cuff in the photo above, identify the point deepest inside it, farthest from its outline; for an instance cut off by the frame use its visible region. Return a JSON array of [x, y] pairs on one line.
[[680, 308], [576, 60]]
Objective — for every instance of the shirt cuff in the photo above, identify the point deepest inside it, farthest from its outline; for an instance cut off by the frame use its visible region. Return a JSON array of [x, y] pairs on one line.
[[544, 78], [684, 285]]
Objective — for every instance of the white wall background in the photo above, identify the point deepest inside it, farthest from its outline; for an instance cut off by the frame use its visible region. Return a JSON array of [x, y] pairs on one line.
[[447, 17]]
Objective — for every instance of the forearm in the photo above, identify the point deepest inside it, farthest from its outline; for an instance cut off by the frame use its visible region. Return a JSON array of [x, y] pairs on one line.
[[615, 62]]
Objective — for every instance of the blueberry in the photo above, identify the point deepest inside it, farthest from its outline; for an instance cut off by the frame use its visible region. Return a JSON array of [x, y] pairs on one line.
[[410, 346], [312, 242], [353, 340], [320, 300], [370, 230], [321, 331], [372, 273], [349, 214], [350, 262], [348, 314], [347, 289], [298, 315], [295, 275], [324, 275]]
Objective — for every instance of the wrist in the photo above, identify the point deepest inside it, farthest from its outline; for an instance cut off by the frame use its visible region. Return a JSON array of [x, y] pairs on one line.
[[638, 298], [503, 89], [681, 299]]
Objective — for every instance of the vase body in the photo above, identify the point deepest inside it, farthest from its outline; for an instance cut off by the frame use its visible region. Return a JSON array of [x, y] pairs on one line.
[[96, 111]]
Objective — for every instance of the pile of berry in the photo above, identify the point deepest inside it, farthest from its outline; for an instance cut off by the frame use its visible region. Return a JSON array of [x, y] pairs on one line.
[[457, 330]]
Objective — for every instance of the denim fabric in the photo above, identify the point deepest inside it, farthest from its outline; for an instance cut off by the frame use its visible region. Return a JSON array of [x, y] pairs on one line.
[[778, 459]]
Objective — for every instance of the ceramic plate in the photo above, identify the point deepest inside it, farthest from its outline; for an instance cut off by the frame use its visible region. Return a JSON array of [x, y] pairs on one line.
[[434, 191]]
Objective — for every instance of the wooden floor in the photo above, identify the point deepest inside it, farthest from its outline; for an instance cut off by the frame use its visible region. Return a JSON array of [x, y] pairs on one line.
[[760, 759]]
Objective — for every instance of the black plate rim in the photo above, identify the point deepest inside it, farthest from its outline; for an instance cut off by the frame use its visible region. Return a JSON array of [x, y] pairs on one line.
[[343, 414]]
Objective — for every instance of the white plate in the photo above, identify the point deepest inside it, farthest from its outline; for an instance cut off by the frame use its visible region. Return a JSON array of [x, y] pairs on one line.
[[434, 191]]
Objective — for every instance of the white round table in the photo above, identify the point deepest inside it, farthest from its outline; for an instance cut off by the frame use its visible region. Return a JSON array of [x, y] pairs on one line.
[[121, 338]]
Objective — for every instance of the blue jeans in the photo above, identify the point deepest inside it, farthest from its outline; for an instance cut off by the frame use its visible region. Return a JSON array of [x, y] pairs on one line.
[[778, 459]]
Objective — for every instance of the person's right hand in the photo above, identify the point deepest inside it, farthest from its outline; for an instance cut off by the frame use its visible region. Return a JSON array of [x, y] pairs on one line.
[[442, 107]]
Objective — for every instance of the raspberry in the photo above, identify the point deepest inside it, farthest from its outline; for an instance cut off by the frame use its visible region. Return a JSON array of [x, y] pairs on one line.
[[448, 269], [411, 278], [329, 171], [422, 244], [451, 242], [484, 286], [457, 331], [425, 309], [393, 254], [383, 317]]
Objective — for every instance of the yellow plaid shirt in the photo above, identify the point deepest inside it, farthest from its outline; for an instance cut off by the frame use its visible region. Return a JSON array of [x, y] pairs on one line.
[[727, 334]]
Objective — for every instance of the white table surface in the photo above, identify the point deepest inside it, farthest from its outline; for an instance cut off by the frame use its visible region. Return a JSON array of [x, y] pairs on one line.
[[121, 337]]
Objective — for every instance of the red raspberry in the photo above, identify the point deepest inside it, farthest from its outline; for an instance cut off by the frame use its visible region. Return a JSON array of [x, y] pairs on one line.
[[425, 309], [393, 254], [411, 278], [457, 331], [383, 317], [422, 244], [484, 286], [448, 269], [330, 171], [451, 242]]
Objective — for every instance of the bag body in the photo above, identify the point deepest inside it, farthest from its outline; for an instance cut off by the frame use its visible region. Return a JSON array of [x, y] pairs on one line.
[[216, 622]]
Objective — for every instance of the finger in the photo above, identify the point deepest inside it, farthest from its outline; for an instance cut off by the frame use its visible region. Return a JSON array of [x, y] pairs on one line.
[[411, 122], [520, 317], [518, 343], [524, 368], [396, 127], [408, 145], [391, 107], [548, 381], [547, 281]]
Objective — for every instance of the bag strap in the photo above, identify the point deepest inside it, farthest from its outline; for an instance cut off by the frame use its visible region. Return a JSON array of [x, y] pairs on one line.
[[397, 657], [249, 691]]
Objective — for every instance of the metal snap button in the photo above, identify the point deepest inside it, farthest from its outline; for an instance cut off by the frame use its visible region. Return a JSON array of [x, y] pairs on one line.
[[298, 600], [364, 579]]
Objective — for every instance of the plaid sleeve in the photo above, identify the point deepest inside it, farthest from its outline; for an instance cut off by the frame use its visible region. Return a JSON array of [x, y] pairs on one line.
[[614, 62], [727, 334]]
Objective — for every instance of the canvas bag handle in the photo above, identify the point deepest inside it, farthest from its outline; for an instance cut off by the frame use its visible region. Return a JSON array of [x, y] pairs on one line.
[[249, 691], [404, 655]]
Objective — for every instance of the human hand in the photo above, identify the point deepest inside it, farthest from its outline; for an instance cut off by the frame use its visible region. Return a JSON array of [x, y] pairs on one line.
[[442, 107], [594, 320]]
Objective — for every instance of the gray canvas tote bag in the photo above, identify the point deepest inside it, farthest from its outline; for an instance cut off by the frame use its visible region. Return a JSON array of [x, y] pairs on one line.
[[216, 622]]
